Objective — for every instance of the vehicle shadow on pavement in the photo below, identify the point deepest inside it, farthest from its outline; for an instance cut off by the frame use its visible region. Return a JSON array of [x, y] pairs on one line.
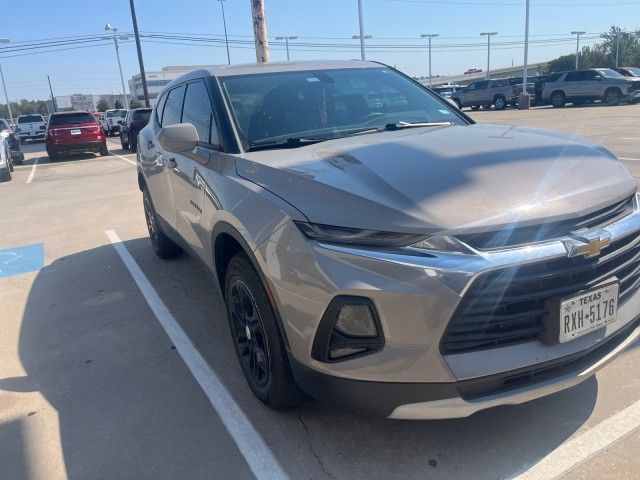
[[126, 405], [128, 408]]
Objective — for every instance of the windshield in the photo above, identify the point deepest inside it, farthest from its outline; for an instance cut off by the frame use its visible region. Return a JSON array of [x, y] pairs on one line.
[[30, 119], [67, 118], [328, 103], [141, 116], [607, 72], [116, 113]]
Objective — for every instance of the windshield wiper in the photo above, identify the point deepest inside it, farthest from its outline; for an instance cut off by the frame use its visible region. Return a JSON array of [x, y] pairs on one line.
[[400, 125], [290, 142]]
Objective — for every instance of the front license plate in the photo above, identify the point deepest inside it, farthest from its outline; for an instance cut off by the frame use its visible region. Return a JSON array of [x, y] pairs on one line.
[[75, 132], [588, 311]]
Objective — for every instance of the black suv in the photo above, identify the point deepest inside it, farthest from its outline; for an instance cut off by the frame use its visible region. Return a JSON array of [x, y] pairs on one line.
[[135, 121]]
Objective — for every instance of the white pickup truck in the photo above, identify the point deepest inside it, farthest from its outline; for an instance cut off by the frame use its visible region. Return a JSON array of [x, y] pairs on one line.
[[110, 121], [31, 127]]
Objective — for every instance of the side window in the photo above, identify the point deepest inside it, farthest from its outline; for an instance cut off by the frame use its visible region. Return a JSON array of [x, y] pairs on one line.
[[574, 77], [197, 111], [471, 87], [499, 83], [160, 108], [481, 85], [173, 108], [591, 75]]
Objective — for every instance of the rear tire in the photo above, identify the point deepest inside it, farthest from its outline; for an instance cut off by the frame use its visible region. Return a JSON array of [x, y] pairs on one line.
[[5, 176], [163, 246], [486, 106], [458, 103], [475, 107], [256, 337], [133, 145], [104, 151], [19, 159], [125, 146], [558, 99]]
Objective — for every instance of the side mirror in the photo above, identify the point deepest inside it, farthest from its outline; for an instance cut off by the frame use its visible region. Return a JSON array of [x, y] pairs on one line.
[[181, 137]]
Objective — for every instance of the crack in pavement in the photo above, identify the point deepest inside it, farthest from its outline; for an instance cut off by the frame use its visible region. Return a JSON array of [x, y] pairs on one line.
[[312, 450]]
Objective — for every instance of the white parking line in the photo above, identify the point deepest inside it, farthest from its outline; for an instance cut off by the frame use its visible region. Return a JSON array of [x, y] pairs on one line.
[[256, 452], [132, 162], [578, 450], [33, 171]]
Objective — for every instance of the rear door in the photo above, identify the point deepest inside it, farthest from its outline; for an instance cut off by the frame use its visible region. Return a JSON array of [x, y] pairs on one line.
[[187, 170], [574, 84], [482, 93], [158, 162]]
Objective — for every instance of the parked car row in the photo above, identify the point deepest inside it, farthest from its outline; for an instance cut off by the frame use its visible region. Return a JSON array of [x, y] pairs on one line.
[[577, 87]]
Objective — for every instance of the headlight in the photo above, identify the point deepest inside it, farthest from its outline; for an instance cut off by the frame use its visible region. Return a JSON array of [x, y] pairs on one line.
[[356, 236]]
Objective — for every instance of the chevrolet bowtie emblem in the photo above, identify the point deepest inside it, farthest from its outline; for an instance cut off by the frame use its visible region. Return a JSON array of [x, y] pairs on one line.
[[587, 244]]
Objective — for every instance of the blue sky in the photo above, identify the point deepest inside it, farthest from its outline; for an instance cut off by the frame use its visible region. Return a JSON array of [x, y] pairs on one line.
[[391, 22]]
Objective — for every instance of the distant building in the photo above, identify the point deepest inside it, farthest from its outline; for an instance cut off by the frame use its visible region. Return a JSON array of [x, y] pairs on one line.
[[157, 80], [89, 102]]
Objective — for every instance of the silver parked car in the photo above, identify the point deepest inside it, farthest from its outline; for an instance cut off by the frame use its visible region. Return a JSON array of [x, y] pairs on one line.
[[584, 86], [377, 249], [485, 93]]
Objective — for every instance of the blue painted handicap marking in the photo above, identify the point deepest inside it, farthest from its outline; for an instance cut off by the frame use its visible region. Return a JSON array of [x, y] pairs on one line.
[[23, 259]]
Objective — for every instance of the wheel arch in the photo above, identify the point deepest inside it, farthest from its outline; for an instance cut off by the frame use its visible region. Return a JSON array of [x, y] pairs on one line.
[[227, 241]]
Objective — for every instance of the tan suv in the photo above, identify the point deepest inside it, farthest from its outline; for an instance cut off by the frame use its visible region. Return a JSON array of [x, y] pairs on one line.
[[586, 86]]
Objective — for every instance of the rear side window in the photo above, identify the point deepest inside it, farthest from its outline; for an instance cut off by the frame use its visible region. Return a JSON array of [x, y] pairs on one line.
[[76, 117], [580, 76], [173, 107], [481, 85], [500, 83], [30, 119], [197, 111]]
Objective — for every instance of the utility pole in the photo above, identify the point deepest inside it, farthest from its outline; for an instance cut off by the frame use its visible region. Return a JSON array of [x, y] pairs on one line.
[[109, 27], [53, 99], [226, 39], [143, 76], [260, 31], [286, 42], [361, 23], [618, 46], [429, 36], [4, 86], [524, 101], [577, 34], [488, 35]]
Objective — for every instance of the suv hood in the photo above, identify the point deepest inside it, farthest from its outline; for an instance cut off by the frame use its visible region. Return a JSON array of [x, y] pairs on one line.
[[446, 180]]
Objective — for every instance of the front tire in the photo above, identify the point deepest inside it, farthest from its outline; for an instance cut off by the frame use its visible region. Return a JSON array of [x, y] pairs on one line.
[[612, 96], [500, 103], [164, 247], [256, 337]]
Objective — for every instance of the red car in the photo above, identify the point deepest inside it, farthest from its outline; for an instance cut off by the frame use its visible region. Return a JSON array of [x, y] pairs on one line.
[[628, 71], [74, 132]]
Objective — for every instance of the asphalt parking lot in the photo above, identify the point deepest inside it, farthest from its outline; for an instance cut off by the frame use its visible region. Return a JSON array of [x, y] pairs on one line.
[[99, 378]]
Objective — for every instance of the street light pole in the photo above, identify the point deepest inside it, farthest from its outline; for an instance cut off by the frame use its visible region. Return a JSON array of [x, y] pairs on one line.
[[4, 86], [618, 46], [488, 35], [362, 36], [525, 100], [286, 42], [143, 76], [429, 36], [362, 39], [577, 34], [226, 39], [109, 27]]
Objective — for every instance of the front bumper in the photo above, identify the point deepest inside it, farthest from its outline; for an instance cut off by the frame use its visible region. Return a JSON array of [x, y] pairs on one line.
[[432, 401], [416, 296]]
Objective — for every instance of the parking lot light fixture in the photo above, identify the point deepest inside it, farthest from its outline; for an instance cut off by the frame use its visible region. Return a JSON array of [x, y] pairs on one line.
[[286, 42], [429, 36], [488, 35], [4, 86], [109, 27], [577, 34]]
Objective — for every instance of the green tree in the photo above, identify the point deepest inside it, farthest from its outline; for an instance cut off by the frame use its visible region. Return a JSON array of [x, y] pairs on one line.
[[117, 104], [135, 103], [102, 105]]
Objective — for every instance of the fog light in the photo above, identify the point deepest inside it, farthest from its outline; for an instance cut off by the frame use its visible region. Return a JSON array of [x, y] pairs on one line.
[[356, 321], [349, 327]]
